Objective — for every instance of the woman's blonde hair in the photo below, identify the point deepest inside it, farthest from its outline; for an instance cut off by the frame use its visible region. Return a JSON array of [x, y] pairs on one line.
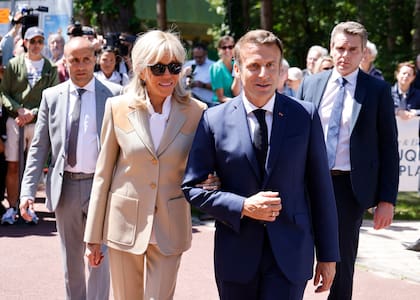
[[149, 49]]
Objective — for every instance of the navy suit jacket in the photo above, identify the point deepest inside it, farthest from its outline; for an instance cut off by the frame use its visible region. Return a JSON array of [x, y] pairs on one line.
[[296, 168], [373, 138]]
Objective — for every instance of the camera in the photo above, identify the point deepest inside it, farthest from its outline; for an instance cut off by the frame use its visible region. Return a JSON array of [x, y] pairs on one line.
[[29, 19], [75, 28], [190, 77], [119, 41]]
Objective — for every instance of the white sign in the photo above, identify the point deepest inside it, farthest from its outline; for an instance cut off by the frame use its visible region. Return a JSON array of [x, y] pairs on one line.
[[408, 142]]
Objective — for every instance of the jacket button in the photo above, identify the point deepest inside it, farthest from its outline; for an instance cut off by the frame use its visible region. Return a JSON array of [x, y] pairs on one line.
[[154, 161], [153, 185]]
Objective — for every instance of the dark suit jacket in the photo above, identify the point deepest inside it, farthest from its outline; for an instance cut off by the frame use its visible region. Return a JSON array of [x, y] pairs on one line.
[[373, 140], [50, 135], [296, 168]]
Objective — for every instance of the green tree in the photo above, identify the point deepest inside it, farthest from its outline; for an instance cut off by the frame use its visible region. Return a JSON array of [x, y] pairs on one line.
[[107, 15], [391, 24]]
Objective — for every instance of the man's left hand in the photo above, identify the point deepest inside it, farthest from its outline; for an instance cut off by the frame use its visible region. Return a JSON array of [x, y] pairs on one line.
[[326, 272], [383, 215], [24, 117]]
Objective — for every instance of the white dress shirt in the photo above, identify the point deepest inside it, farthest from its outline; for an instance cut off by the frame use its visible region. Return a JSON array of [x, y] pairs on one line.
[[342, 160], [157, 125], [252, 119], [87, 139], [157, 121]]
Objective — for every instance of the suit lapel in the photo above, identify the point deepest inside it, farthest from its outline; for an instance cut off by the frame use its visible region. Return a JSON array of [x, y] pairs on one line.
[[359, 98], [176, 120], [238, 122], [322, 84], [100, 98], [139, 118], [280, 115], [62, 105]]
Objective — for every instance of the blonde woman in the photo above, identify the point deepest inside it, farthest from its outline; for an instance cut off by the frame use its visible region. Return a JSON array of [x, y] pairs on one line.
[[137, 207]]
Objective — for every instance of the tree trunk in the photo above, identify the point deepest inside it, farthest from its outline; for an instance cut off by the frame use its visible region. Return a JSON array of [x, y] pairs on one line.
[[267, 14], [392, 26], [245, 15], [161, 14], [111, 23], [416, 27]]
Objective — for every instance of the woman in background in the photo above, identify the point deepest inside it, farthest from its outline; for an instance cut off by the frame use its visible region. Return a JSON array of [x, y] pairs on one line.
[[406, 97], [108, 61], [224, 84]]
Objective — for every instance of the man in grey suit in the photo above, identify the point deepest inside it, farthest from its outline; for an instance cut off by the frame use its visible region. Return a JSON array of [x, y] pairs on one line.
[[70, 172], [357, 116]]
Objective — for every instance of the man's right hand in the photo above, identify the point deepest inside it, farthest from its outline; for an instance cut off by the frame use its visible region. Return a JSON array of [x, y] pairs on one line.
[[264, 206], [94, 254]]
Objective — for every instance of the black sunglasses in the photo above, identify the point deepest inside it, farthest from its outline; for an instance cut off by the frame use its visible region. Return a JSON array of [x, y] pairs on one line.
[[159, 69], [227, 47], [34, 41]]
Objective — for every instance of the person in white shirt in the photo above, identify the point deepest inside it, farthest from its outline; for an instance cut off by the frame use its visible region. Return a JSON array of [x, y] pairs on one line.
[[197, 74], [108, 61]]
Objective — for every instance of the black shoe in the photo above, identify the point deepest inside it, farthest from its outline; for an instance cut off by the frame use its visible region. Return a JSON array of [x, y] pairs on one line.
[[206, 217]]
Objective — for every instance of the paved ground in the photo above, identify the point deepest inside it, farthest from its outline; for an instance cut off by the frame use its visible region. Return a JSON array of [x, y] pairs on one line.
[[31, 263]]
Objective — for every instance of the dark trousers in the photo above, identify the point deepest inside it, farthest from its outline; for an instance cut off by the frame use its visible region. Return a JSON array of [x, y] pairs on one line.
[[268, 284], [350, 216]]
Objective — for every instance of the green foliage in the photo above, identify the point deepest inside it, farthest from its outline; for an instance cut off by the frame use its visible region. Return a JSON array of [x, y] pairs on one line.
[[303, 23], [408, 207]]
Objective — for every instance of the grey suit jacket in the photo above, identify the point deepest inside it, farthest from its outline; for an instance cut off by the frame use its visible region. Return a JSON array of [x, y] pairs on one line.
[[50, 137]]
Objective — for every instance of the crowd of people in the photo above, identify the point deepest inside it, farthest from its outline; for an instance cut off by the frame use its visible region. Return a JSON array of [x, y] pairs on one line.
[[129, 136]]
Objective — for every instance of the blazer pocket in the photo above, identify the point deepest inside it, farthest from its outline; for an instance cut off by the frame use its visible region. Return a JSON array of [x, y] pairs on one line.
[[180, 214], [121, 219]]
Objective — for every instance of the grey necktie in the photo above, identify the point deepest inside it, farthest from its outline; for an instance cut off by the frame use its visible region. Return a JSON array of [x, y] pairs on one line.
[[74, 130], [334, 123]]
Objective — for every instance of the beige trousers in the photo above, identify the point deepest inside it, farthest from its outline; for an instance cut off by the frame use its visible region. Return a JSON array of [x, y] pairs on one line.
[[149, 276]]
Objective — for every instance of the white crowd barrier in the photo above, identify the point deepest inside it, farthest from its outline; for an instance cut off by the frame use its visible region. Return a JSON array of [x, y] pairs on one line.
[[408, 141]]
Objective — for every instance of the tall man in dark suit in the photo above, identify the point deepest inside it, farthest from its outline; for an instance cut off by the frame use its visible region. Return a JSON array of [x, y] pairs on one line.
[[70, 172], [357, 115], [276, 200]]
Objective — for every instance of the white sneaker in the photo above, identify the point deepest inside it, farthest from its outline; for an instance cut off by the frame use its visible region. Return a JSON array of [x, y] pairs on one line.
[[9, 216], [33, 215]]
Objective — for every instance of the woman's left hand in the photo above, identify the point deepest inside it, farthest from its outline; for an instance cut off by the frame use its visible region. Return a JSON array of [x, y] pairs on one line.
[[212, 183]]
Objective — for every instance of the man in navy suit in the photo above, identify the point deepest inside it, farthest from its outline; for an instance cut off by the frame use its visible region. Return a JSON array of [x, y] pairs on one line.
[[276, 199], [365, 164]]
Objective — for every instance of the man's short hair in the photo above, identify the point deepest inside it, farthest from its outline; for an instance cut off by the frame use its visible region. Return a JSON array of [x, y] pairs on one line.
[[201, 46], [352, 28], [258, 37]]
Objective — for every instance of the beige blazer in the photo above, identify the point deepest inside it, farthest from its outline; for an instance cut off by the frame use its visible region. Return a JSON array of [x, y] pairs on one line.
[[136, 186]]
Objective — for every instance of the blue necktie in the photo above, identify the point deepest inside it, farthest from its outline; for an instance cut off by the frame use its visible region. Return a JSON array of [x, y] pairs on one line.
[[74, 130], [334, 123], [261, 139]]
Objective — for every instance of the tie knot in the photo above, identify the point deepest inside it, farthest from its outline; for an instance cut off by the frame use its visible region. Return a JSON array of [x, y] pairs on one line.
[[80, 92], [342, 81], [260, 115]]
